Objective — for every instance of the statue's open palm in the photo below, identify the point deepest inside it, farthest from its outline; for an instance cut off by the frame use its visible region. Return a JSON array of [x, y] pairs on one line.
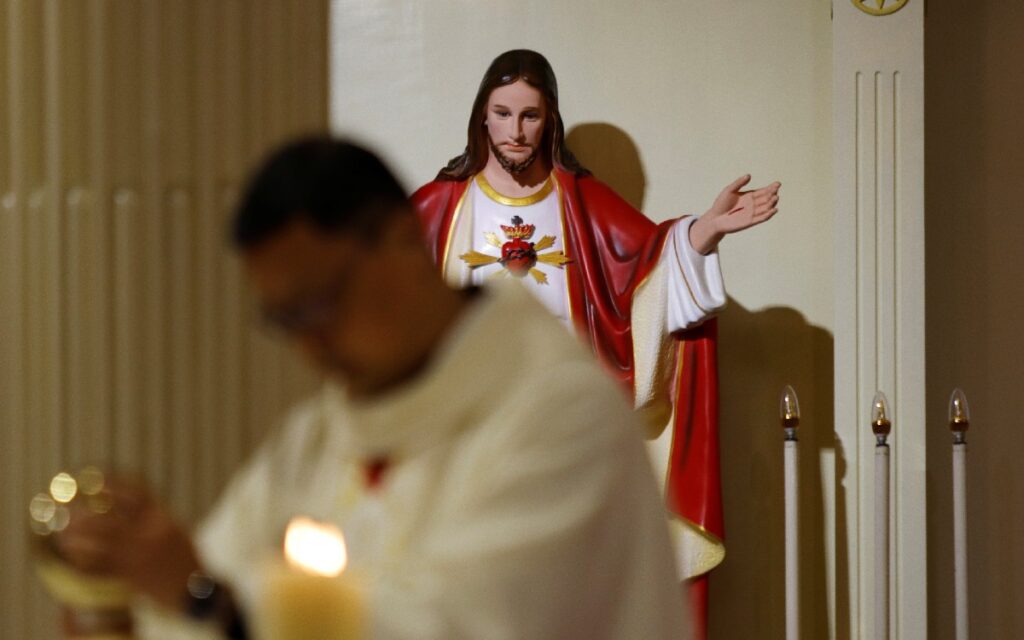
[[736, 210]]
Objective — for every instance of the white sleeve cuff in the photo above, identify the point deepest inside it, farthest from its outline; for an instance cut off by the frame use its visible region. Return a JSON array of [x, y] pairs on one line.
[[696, 289]]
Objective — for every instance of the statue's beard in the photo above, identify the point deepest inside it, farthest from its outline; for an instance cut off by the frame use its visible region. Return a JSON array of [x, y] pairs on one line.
[[507, 163]]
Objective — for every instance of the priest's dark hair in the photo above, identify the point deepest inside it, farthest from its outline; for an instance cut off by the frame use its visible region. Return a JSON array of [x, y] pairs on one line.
[[334, 184], [534, 69]]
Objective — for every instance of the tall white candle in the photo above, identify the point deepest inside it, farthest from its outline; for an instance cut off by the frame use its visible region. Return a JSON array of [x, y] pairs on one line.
[[960, 538], [789, 416], [881, 426], [959, 421], [791, 454], [882, 542]]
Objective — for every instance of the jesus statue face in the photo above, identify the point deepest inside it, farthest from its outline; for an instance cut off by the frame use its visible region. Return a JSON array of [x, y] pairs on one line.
[[515, 120]]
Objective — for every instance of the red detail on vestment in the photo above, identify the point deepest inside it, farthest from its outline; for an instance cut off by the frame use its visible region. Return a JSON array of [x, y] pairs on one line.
[[613, 248], [374, 470]]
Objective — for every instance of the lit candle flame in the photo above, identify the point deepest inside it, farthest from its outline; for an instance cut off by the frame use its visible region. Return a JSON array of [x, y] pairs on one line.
[[789, 408], [315, 547], [959, 416], [959, 411], [880, 421], [879, 408]]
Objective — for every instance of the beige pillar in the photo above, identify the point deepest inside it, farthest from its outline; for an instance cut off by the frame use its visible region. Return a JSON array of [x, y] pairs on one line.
[[878, 155]]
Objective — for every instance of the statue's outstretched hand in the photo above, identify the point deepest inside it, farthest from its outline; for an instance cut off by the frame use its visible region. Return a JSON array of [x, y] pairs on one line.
[[734, 210]]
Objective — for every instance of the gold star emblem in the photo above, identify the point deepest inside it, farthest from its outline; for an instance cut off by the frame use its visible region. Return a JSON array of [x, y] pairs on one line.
[[879, 7]]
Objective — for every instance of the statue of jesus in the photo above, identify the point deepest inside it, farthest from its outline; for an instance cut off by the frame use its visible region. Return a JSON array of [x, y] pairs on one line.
[[517, 203]]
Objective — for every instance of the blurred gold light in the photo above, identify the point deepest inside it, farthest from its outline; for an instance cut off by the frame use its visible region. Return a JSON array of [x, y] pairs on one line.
[[42, 508], [90, 481], [61, 519], [63, 487], [100, 503], [39, 528], [315, 547]]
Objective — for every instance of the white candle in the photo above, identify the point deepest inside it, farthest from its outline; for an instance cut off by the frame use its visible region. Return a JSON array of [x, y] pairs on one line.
[[792, 544], [881, 426], [959, 421], [789, 416], [960, 539], [309, 597], [882, 542]]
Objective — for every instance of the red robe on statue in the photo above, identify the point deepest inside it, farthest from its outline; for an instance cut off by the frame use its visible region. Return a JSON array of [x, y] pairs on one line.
[[613, 248]]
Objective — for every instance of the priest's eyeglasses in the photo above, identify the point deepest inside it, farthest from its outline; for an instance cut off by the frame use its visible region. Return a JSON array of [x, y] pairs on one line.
[[313, 312]]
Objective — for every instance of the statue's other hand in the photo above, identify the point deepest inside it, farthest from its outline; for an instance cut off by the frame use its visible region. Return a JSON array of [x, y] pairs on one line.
[[734, 210]]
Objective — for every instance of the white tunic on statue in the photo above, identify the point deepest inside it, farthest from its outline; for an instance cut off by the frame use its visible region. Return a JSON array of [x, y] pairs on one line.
[[695, 288], [519, 502]]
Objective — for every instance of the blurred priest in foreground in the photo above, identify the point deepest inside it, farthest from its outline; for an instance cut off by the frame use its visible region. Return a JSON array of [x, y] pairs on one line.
[[489, 479]]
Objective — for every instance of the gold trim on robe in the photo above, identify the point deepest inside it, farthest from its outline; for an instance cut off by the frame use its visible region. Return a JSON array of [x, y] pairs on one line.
[[533, 198], [451, 231]]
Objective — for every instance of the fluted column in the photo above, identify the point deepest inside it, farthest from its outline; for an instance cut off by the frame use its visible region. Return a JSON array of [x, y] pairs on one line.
[[878, 110]]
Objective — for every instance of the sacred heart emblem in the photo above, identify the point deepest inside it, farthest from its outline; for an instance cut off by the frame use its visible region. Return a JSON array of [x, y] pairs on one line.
[[519, 256]]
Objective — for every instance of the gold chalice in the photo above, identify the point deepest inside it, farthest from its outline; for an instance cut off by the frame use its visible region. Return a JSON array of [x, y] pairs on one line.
[[94, 606]]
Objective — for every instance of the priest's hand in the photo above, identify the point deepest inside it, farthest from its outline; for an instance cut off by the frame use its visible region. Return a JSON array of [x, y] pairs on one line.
[[131, 537], [734, 210]]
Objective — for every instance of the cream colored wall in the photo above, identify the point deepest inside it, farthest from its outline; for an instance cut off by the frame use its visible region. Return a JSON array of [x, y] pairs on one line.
[[126, 337], [668, 102], [705, 90], [975, 287]]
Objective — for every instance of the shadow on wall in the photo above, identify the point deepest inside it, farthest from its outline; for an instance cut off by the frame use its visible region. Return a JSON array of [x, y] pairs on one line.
[[759, 353], [612, 156]]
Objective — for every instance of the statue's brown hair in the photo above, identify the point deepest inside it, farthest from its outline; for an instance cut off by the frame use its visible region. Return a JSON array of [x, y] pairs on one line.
[[511, 66]]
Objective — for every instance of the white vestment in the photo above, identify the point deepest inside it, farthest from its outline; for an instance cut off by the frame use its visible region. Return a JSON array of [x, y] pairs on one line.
[[519, 502]]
